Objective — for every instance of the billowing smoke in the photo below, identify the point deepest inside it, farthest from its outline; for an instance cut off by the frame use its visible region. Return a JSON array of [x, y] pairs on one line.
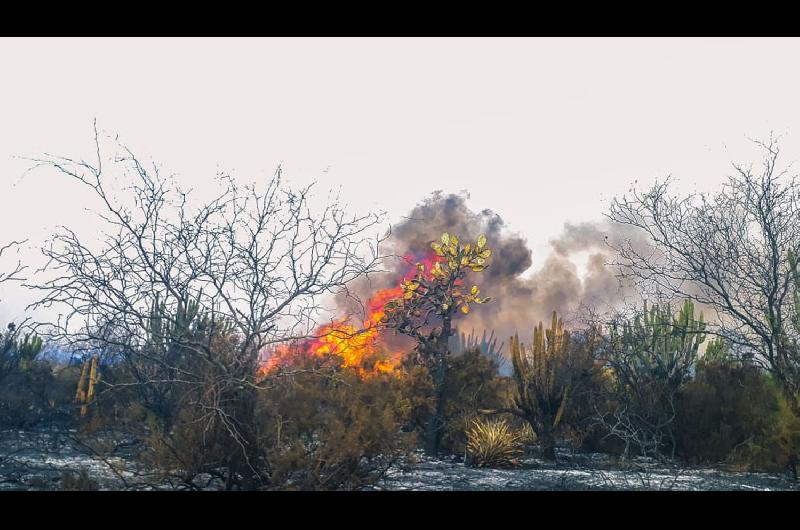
[[519, 301]]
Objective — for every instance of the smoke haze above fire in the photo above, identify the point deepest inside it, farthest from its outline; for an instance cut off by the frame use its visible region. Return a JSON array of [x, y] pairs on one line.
[[541, 131], [522, 292]]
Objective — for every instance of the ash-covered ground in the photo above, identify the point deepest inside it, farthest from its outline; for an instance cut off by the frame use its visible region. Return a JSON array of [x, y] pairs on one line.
[[48, 459], [578, 471]]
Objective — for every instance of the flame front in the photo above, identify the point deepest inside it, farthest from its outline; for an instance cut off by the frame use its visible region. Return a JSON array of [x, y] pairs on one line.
[[362, 349]]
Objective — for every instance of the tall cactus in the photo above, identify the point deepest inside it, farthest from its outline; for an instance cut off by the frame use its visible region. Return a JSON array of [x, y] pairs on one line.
[[460, 342], [186, 312], [651, 357], [29, 348], [86, 389], [165, 327], [658, 345], [546, 374]]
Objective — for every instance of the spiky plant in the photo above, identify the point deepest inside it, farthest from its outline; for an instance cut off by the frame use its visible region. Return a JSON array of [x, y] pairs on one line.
[[493, 443], [461, 342], [547, 373], [16, 354]]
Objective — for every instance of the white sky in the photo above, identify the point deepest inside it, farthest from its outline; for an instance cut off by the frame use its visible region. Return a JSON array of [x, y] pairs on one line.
[[542, 131]]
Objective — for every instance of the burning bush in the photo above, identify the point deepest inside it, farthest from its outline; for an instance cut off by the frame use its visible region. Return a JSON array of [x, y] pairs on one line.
[[421, 307], [425, 311]]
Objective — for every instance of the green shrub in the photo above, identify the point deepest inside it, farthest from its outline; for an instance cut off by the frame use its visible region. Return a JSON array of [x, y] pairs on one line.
[[778, 448], [736, 414], [651, 357], [723, 408], [24, 380]]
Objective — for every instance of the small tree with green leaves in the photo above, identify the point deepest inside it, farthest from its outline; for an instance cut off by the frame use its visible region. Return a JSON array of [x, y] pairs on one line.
[[425, 311]]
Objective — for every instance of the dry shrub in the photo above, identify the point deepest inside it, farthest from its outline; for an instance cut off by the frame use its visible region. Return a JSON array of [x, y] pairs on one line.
[[472, 383], [80, 481], [494, 443], [199, 426], [324, 427]]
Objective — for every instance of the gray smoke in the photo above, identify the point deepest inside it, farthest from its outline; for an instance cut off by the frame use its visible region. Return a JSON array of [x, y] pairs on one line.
[[519, 301]]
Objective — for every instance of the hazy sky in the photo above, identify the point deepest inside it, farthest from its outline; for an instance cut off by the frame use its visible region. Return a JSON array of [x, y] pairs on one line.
[[542, 131]]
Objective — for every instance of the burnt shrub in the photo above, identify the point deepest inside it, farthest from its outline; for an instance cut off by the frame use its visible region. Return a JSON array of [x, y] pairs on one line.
[[595, 399], [24, 396], [78, 481], [206, 425]]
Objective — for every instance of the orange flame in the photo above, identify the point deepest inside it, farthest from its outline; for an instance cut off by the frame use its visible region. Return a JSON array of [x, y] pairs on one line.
[[362, 349]]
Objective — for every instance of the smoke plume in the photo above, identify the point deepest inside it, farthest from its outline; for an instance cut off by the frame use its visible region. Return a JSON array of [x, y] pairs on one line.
[[519, 300]]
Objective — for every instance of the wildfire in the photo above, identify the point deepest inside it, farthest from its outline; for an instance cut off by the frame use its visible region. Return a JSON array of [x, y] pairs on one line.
[[362, 349]]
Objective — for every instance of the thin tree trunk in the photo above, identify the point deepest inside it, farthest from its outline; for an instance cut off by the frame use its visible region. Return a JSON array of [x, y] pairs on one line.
[[547, 441], [433, 430]]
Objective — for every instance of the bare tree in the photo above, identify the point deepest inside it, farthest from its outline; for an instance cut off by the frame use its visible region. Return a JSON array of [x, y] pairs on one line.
[[729, 251], [15, 273], [14, 351], [178, 291]]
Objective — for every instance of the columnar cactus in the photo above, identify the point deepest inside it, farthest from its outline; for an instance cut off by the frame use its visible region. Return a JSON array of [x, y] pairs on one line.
[[85, 397], [657, 345], [651, 357], [460, 342], [546, 373], [166, 327]]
